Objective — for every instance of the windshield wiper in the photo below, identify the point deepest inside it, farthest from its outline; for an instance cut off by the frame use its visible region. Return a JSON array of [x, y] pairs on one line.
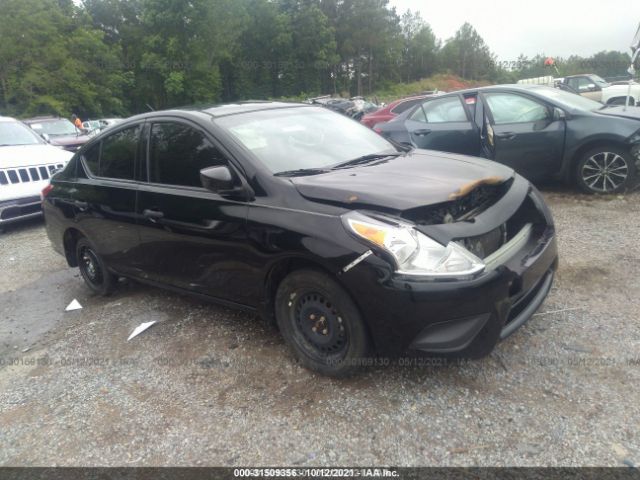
[[299, 172], [364, 159]]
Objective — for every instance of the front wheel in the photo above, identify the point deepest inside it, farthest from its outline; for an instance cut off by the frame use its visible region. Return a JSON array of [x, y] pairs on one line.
[[605, 169], [321, 324], [93, 269]]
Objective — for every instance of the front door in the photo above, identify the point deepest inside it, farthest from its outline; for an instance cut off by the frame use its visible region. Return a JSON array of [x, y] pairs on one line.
[[523, 133], [193, 238]]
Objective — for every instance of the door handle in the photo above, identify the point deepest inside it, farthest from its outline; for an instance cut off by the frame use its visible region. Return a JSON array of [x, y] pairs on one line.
[[506, 135], [422, 132], [82, 206], [153, 215]]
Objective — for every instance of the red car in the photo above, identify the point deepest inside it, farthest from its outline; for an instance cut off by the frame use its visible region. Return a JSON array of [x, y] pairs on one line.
[[392, 110]]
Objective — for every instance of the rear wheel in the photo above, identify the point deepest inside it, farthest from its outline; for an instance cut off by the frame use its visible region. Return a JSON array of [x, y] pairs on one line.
[[321, 324], [93, 269], [605, 169]]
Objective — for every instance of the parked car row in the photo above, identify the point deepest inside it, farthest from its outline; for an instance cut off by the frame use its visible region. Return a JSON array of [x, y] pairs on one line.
[[95, 126], [592, 86], [539, 131], [58, 131], [355, 107]]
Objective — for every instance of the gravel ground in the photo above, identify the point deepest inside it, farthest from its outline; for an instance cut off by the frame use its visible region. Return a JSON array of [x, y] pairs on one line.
[[212, 386]]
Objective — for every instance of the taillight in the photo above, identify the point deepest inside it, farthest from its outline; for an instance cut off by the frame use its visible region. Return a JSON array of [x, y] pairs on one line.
[[45, 192]]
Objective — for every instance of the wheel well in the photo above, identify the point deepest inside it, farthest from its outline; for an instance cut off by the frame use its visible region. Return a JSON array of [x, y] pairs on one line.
[[276, 274], [69, 240], [585, 148]]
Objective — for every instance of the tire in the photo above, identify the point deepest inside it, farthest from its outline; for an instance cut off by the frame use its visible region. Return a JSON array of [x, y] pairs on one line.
[[321, 324], [605, 169], [93, 269]]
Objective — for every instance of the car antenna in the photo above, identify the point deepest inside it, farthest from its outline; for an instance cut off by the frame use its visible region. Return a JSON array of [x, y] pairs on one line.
[[150, 107]]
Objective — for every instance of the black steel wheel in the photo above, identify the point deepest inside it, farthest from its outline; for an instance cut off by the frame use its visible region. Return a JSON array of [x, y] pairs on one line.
[[606, 169], [93, 269], [321, 324]]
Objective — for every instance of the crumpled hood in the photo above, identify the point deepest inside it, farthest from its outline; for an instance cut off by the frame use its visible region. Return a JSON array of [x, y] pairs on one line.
[[629, 112], [421, 177], [28, 155]]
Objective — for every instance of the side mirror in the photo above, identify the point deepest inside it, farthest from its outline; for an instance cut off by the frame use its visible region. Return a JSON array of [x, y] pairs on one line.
[[592, 87], [559, 114], [217, 179], [46, 137]]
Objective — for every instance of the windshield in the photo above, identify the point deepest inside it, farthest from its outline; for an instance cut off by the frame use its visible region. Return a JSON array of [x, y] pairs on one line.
[[15, 133], [55, 127], [569, 100], [303, 138]]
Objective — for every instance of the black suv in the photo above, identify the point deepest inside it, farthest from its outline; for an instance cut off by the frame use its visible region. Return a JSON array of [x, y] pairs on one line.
[[354, 246]]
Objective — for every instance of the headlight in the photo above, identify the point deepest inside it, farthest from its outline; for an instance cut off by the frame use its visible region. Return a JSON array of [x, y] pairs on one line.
[[413, 252]]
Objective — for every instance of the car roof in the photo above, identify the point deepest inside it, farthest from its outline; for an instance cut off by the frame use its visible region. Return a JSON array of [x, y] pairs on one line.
[[7, 119], [580, 75], [219, 110], [511, 86], [250, 106]]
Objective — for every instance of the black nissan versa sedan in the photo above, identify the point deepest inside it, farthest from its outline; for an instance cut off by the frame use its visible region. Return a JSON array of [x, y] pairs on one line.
[[355, 247], [541, 132]]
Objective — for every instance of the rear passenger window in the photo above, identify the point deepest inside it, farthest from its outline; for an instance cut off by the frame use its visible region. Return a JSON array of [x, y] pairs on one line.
[[91, 159], [442, 110], [119, 153], [404, 106], [177, 154]]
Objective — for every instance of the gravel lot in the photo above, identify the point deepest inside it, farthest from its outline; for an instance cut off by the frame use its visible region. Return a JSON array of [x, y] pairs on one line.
[[212, 386]]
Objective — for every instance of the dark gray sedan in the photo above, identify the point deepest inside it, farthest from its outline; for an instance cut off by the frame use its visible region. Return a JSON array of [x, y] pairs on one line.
[[539, 131]]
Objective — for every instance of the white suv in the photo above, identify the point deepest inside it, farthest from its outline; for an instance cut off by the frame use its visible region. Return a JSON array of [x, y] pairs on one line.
[[26, 164]]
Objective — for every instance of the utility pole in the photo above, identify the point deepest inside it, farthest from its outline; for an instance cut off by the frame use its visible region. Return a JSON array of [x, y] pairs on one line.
[[635, 50]]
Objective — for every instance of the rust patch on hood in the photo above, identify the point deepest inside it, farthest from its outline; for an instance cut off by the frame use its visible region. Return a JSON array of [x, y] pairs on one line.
[[468, 187]]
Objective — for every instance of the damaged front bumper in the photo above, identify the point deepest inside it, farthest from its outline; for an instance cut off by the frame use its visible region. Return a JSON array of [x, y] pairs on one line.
[[462, 315]]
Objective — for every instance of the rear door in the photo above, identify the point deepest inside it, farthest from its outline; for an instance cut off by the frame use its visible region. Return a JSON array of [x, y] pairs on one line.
[[522, 132], [443, 124], [193, 238], [104, 198]]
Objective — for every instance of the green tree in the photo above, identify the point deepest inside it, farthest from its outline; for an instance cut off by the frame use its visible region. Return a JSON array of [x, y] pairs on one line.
[[467, 55], [52, 61], [420, 47]]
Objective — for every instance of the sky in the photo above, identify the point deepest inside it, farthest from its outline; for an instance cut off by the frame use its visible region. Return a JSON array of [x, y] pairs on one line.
[[556, 28]]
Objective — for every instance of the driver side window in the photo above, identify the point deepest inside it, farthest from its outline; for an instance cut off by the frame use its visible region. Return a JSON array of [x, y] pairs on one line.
[[511, 108], [178, 152]]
